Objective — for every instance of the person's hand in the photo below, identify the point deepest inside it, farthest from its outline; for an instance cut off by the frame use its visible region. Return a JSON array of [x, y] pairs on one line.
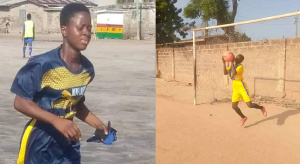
[[68, 128], [223, 59], [233, 58], [105, 129]]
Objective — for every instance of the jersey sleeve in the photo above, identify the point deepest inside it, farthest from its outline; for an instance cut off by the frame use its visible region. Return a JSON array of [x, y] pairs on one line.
[[88, 67], [92, 74], [28, 80], [228, 69], [240, 70]]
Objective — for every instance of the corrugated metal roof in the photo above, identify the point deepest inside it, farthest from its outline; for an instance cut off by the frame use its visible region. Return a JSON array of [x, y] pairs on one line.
[[2, 1], [55, 2], [9, 2], [47, 2]]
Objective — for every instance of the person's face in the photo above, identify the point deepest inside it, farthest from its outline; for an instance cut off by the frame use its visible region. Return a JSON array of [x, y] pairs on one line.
[[78, 31]]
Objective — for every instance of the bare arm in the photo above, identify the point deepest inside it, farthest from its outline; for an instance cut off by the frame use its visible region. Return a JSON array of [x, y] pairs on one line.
[[33, 31], [232, 66], [22, 34], [84, 114], [31, 109], [23, 31], [224, 67]]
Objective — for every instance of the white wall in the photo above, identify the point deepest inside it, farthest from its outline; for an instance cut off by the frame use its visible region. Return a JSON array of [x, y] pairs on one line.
[[105, 2], [110, 18]]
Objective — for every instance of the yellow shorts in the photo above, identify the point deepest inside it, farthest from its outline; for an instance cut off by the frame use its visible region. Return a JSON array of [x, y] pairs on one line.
[[240, 91]]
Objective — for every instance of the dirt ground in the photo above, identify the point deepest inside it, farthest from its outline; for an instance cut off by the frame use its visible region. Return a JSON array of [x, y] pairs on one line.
[[211, 133]]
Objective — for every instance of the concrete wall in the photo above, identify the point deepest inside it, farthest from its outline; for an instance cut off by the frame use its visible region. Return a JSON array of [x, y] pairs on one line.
[[147, 24], [16, 22], [271, 68], [53, 22], [105, 2]]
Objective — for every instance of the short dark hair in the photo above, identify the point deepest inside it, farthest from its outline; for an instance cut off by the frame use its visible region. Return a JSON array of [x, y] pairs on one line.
[[29, 16], [242, 56], [70, 10]]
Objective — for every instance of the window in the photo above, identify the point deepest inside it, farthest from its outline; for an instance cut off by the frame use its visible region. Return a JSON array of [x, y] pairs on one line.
[[22, 15], [133, 14]]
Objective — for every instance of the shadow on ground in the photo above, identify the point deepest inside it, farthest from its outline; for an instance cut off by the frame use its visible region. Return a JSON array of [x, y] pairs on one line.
[[280, 117]]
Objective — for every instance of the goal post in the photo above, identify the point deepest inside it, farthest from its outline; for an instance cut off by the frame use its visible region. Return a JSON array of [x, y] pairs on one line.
[[223, 26]]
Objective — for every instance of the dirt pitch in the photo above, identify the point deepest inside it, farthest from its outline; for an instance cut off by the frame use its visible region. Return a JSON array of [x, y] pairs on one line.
[[211, 134]]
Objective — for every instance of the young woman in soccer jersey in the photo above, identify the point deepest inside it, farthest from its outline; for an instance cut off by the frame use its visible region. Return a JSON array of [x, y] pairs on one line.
[[239, 87], [50, 89]]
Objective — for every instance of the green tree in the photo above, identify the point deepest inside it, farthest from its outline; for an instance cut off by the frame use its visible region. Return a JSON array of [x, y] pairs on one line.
[[241, 37], [168, 22], [213, 9]]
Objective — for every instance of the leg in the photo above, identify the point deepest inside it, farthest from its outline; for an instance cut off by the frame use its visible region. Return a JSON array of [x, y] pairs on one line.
[[30, 48], [256, 106], [24, 49], [239, 112], [237, 109], [249, 103], [253, 105], [236, 97], [246, 97]]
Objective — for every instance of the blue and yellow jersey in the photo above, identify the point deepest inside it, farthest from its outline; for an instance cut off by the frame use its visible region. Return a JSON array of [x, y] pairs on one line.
[[239, 72], [48, 81], [238, 77], [239, 87]]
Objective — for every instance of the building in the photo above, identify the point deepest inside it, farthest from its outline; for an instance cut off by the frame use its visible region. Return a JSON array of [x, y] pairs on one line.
[[110, 24], [45, 13], [105, 2], [133, 21]]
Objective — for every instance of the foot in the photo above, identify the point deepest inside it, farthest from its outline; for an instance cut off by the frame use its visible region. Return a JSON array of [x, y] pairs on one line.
[[243, 120], [264, 112]]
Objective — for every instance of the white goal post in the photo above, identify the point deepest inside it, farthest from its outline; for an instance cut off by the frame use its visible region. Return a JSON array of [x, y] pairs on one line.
[[228, 25]]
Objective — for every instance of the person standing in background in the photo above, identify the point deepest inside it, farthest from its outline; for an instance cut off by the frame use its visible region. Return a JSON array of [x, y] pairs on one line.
[[7, 26], [28, 35]]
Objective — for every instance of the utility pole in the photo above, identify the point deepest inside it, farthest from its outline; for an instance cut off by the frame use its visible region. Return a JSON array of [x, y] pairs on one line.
[[138, 20], [205, 31], [296, 25]]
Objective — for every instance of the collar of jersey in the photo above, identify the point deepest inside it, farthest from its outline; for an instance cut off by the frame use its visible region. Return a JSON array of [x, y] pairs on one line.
[[66, 65]]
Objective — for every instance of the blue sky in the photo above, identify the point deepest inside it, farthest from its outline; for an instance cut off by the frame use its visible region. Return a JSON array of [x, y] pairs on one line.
[[256, 9]]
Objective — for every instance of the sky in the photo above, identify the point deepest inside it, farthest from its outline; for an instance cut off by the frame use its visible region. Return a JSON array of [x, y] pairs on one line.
[[256, 9]]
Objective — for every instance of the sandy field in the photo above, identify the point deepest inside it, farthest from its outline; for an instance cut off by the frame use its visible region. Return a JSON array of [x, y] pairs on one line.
[[211, 133]]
